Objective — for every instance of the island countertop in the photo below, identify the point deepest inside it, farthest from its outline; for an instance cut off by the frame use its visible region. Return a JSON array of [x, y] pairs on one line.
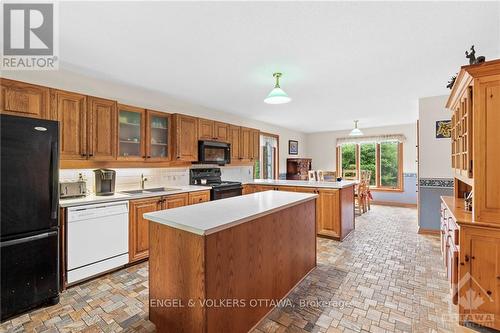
[[210, 217], [303, 183]]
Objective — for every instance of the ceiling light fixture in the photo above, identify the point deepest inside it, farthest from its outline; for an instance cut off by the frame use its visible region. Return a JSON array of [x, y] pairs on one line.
[[356, 131], [277, 95]]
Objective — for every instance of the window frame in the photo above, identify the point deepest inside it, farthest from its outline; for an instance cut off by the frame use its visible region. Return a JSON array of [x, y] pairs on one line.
[[378, 186]]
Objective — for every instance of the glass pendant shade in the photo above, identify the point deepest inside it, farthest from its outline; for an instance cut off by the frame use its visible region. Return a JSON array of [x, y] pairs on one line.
[[277, 95], [355, 131]]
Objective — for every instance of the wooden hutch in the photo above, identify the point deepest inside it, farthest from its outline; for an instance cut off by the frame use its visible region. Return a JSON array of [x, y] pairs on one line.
[[470, 241], [297, 168]]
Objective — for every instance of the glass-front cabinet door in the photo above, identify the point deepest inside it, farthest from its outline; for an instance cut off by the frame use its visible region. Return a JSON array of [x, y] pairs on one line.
[[158, 132], [131, 136]]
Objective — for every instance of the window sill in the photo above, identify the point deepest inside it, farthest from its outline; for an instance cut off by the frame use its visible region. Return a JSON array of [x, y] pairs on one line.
[[386, 189]]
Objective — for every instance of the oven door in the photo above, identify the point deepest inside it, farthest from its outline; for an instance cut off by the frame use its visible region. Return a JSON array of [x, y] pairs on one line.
[[225, 192], [211, 152]]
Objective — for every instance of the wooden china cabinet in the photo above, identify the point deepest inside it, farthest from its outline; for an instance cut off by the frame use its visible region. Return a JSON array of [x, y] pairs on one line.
[[470, 240]]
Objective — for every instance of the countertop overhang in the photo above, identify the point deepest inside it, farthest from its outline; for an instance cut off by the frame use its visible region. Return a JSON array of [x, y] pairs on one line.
[[118, 196], [303, 183], [210, 217]]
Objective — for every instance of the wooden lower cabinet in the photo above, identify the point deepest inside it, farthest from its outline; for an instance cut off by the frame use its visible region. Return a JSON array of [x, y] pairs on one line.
[[198, 197], [176, 200], [334, 207], [138, 246], [329, 217], [139, 227], [479, 276]]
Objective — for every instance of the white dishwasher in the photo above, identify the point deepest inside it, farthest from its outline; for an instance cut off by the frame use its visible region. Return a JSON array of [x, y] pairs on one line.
[[97, 239]]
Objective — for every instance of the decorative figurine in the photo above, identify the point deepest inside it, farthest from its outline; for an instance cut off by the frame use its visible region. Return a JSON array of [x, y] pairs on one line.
[[451, 82], [472, 57]]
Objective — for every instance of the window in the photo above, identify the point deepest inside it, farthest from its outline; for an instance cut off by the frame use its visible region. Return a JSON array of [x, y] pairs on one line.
[[384, 160], [349, 160], [389, 164], [367, 159], [269, 144]]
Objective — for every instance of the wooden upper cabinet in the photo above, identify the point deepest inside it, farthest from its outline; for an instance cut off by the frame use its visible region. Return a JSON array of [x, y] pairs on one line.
[[487, 150], [25, 100], [102, 132], [139, 227], [255, 144], [206, 129], [234, 140], [131, 133], [185, 136], [176, 200], [71, 112], [158, 129], [221, 131], [246, 151]]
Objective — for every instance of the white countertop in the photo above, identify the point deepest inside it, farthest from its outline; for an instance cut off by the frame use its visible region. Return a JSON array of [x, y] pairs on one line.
[[209, 217], [303, 183], [93, 199]]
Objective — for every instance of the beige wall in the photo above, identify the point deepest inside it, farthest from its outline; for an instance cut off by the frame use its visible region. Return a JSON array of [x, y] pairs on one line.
[[130, 94], [321, 146], [435, 161]]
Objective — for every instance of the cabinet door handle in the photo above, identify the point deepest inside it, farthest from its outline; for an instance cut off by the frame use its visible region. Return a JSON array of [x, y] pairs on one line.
[[488, 292], [83, 154], [90, 155], [466, 258], [148, 156]]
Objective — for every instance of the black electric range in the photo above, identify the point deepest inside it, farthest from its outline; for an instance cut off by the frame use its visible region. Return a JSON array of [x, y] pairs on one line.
[[212, 177]]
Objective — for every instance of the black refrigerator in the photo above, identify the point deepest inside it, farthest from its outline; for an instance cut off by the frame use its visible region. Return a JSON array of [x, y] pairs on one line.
[[29, 231]]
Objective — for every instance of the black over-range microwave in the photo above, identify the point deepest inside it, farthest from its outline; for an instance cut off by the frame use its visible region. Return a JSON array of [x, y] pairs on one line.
[[214, 152]]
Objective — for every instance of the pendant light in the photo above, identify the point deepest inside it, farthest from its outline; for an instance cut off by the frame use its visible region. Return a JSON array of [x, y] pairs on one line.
[[356, 131], [277, 95]]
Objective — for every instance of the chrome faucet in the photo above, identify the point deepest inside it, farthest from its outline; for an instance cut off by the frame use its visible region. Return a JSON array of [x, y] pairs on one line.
[[143, 179]]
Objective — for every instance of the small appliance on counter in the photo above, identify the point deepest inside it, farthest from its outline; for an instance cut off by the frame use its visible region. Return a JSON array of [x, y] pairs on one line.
[[212, 177], [73, 188], [104, 181]]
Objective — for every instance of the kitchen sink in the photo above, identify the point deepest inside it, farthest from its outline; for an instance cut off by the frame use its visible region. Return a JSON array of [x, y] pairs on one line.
[[150, 190], [133, 192], [160, 189]]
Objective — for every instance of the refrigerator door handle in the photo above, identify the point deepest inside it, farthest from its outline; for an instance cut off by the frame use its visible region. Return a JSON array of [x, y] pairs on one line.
[[53, 185], [28, 239]]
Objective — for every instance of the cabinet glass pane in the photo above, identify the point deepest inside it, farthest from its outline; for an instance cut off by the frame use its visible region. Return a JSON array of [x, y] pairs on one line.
[[130, 134], [159, 136]]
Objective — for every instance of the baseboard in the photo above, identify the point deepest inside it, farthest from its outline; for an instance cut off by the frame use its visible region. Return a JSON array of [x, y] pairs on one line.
[[395, 204], [428, 231]]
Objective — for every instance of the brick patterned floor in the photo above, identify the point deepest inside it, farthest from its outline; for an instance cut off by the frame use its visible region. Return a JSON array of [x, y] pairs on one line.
[[383, 278]]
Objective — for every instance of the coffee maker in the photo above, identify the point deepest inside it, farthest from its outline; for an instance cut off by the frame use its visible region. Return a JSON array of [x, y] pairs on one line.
[[104, 181]]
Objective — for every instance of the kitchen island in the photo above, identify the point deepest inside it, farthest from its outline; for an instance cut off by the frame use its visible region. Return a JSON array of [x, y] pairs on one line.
[[335, 204], [221, 266]]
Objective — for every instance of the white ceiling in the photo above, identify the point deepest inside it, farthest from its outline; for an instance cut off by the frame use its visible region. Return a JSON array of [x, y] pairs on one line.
[[341, 60]]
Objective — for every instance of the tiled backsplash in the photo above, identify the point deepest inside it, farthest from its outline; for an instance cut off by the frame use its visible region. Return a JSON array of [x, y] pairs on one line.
[[128, 179]]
